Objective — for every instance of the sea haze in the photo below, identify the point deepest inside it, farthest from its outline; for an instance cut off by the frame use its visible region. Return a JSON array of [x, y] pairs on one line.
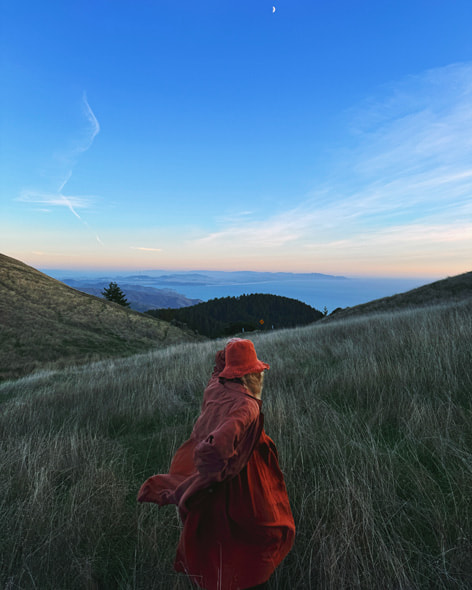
[[315, 289]]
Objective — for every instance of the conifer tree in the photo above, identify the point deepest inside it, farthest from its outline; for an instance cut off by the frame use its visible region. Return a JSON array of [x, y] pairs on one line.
[[115, 294]]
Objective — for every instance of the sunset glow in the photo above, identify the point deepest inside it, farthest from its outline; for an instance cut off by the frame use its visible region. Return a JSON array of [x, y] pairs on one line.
[[314, 138]]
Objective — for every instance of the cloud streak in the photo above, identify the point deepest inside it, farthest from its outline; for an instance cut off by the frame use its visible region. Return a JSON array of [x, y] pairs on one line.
[[92, 131], [58, 198], [94, 126], [142, 249], [408, 178]]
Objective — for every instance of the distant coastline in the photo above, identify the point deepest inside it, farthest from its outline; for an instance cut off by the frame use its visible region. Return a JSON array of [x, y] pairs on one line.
[[315, 289]]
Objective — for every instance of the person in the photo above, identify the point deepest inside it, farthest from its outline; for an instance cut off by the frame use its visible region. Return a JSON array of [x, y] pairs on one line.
[[227, 483]]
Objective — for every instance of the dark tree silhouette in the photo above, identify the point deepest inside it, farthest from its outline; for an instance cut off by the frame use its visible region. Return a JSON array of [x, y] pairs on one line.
[[245, 313], [115, 294]]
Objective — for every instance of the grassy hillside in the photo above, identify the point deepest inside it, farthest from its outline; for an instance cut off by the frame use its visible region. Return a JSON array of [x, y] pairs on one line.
[[452, 289], [372, 419], [44, 321], [141, 298]]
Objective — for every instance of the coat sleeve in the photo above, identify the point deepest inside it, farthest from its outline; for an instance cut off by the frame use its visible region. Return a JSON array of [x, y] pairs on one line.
[[221, 451], [160, 488]]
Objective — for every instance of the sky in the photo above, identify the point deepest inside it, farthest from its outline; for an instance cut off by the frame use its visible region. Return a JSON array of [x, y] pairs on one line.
[[297, 136]]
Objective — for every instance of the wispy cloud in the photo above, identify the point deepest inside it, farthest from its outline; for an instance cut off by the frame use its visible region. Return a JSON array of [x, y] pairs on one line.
[[234, 217], [94, 126], [68, 159], [56, 200], [277, 231], [407, 178], [142, 249], [421, 235], [54, 254], [82, 146]]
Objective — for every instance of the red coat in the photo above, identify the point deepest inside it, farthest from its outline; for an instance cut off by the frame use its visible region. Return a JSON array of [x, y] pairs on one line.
[[230, 491]]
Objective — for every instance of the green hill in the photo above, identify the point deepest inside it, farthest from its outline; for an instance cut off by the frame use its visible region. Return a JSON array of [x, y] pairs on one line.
[[230, 315], [44, 321], [450, 290]]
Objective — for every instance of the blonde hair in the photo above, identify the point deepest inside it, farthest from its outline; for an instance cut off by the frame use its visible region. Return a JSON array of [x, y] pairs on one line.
[[254, 382]]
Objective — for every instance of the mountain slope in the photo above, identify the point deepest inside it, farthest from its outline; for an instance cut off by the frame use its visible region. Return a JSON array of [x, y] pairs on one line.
[[44, 321], [141, 298], [450, 290]]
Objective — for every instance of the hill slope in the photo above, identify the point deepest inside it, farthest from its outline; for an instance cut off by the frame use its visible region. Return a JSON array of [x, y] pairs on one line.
[[42, 321], [450, 290], [141, 298], [371, 418]]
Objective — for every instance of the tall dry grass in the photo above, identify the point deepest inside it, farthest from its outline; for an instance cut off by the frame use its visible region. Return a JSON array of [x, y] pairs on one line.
[[372, 419]]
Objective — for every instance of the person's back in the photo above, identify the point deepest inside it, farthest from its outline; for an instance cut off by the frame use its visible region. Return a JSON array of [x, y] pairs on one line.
[[227, 482]]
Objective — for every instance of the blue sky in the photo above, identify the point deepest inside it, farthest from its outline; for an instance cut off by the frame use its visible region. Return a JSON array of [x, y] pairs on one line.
[[321, 137]]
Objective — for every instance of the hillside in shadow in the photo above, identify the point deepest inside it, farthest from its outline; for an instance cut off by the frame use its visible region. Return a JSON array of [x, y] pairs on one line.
[[44, 321]]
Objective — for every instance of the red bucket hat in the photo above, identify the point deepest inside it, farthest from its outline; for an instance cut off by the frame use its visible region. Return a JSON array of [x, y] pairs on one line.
[[241, 359]]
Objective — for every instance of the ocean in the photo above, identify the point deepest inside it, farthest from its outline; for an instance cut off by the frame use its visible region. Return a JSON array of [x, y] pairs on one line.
[[317, 290], [318, 293]]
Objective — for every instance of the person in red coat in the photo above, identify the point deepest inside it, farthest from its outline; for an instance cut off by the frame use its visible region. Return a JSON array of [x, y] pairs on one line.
[[227, 483]]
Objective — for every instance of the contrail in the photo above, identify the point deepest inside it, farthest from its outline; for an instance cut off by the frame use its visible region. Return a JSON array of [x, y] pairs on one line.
[[93, 122], [66, 180], [70, 157], [95, 129], [69, 204], [64, 198]]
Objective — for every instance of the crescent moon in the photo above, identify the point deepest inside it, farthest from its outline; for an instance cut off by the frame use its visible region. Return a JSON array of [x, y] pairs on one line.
[[273, 9]]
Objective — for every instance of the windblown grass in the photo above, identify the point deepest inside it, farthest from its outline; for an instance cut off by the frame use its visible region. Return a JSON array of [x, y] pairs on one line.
[[372, 418]]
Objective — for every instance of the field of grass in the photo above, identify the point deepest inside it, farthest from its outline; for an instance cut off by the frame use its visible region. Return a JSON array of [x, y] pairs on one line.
[[372, 417]]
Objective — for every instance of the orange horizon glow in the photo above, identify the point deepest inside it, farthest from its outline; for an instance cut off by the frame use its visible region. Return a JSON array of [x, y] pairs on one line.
[[95, 264]]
